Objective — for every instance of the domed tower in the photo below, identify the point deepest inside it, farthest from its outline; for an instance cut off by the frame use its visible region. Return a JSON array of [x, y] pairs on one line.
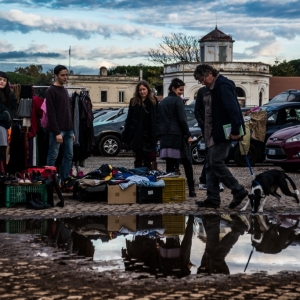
[[103, 71], [216, 46]]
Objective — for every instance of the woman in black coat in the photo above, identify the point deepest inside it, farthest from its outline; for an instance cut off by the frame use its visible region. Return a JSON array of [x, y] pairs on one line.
[[141, 126], [8, 104], [174, 134]]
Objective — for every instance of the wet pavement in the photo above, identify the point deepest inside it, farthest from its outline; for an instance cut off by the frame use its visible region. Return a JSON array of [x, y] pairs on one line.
[[151, 251]]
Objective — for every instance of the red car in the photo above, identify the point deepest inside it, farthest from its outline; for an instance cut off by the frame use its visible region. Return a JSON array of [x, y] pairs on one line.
[[283, 148]]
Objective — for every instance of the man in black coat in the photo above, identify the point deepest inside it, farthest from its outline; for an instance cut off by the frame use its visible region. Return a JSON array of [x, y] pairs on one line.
[[221, 108]]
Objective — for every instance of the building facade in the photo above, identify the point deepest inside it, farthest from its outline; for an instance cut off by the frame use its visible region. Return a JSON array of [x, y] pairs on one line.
[[106, 91], [216, 49]]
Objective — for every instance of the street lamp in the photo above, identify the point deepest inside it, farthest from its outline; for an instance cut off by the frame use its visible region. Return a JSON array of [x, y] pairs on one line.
[[183, 61]]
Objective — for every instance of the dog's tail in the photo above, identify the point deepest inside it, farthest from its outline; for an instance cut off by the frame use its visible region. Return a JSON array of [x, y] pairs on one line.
[[292, 183]]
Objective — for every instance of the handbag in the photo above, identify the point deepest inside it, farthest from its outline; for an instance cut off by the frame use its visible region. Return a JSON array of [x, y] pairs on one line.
[[25, 108]]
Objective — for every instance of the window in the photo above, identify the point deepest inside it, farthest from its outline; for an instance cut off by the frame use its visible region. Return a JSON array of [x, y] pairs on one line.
[[121, 96], [103, 96], [222, 53]]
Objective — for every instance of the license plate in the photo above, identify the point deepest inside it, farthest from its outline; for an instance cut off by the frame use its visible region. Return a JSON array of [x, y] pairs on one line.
[[272, 152]]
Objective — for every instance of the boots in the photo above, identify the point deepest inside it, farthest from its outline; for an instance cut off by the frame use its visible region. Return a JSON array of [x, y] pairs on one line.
[[153, 166], [192, 192]]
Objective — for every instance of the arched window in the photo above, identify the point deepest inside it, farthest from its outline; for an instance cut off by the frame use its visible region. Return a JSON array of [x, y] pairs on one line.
[[241, 95]]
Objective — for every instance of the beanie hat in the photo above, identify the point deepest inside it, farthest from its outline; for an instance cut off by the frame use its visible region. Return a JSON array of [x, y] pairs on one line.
[[3, 75]]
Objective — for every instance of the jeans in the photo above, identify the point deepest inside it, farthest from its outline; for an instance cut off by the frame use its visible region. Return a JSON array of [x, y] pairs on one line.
[[67, 150], [217, 171]]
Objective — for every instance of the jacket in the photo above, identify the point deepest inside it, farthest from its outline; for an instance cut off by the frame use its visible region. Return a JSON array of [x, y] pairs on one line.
[[225, 109], [199, 110], [132, 135], [7, 114], [173, 127]]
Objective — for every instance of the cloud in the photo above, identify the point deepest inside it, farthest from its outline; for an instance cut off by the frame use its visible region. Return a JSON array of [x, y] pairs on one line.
[[18, 21], [27, 55]]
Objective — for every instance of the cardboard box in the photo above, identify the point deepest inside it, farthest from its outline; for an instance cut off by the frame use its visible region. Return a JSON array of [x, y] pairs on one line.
[[115, 223], [115, 195]]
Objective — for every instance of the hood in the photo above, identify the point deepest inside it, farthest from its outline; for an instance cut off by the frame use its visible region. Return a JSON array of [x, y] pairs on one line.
[[286, 133], [224, 80]]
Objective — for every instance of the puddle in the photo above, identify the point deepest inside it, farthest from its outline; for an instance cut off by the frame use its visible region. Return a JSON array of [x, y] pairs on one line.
[[171, 245]]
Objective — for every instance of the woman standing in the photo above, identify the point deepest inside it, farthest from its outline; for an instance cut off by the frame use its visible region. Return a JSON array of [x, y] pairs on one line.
[[141, 126], [8, 104], [173, 132]]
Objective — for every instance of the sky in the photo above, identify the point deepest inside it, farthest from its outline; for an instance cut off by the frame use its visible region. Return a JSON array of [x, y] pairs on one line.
[[121, 32]]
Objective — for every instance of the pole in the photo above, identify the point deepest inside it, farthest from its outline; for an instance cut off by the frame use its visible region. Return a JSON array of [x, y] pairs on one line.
[[183, 75], [70, 59]]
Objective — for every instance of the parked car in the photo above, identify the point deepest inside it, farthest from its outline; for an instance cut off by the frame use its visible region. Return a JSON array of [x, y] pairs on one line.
[[107, 116], [283, 148], [108, 135], [280, 115], [286, 96]]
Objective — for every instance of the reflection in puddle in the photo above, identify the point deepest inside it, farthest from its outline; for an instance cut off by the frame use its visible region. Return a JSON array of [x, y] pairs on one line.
[[173, 245]]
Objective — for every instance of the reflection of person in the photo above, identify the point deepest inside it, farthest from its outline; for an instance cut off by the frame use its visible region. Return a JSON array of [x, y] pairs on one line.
[[199, 115], [141, 126], [221, 108], [60, 123], [174, 134], [8, 104], [216, 250]]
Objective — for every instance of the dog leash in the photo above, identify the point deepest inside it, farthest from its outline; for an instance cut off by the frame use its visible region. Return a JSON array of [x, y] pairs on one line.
[[248, 162]]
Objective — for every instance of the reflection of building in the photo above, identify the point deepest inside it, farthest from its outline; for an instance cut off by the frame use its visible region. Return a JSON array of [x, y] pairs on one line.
[[106, 91], [216, 49]]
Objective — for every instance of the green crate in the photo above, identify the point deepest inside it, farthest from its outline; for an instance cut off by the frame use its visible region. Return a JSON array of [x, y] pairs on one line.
[[173, 224], [15, 194], [174, 191], [26, 226]]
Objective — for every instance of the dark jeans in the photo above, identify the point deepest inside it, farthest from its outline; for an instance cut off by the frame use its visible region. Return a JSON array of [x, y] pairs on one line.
[[217, 171], [144, 158]]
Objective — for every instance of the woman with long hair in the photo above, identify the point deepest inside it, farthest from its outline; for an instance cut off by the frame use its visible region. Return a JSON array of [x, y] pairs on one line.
[[141, 126], [8, 104], [174, 134]]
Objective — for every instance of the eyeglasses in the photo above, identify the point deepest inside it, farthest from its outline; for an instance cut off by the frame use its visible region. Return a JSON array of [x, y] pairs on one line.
[[200, 80]]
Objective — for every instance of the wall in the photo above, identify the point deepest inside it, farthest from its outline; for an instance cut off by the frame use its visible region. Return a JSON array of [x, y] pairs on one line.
[[112, 84], [281, 84]]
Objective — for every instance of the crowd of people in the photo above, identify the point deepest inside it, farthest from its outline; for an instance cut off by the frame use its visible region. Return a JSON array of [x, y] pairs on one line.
[[148, 122]]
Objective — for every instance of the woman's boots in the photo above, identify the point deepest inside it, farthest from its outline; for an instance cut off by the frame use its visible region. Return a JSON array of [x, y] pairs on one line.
[[192, 192]]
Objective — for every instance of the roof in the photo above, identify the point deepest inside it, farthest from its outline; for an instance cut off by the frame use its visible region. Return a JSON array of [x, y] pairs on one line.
[[218, 35]]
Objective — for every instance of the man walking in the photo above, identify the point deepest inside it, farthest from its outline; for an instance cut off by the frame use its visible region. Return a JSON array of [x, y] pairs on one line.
[[60, 123], [220, 108]]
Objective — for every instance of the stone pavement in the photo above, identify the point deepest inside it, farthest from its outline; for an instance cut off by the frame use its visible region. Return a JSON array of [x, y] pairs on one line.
[[75, 208]]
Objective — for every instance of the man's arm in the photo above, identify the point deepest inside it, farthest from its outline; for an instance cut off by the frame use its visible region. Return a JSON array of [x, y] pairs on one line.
[[199, 108]]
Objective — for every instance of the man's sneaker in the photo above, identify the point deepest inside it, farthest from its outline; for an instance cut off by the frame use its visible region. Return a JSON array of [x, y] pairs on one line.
[[202, 186], [238, 199], [221, 187]]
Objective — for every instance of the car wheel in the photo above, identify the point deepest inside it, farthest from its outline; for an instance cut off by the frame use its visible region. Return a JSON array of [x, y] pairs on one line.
[[110, 145], [195, 159], [293, 168], [240, 159]]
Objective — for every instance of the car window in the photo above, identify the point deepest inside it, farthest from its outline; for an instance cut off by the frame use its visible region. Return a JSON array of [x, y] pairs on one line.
[[279, 98], [189, 114], [291, 98], [293, 114], [273, 117], [122, 116]]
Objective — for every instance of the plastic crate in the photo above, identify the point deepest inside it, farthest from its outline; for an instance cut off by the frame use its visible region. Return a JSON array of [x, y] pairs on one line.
[[15, 194], [147, 194], [174, 191], [26, 226], [174, 225]]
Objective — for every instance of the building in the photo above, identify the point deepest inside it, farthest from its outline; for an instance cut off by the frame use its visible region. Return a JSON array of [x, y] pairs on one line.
[[216, 49], [280, 84], [106, 91]]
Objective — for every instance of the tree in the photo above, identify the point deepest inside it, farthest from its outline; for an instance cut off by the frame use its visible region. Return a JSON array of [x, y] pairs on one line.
[[36, 72], [296, 64], [283, 68], [176, 48], [15, 78], [31, 70]]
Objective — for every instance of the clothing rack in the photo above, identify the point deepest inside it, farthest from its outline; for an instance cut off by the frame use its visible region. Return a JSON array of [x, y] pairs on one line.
[[68, 88]]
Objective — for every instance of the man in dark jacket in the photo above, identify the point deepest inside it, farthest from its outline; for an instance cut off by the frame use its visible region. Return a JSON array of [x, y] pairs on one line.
[[199, 111], [221, 108]]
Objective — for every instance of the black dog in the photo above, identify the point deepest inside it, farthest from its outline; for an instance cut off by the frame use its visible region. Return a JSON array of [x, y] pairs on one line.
[[266, 184]]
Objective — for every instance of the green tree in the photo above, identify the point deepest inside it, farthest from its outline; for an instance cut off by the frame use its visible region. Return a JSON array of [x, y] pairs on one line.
[[296, 64], [176, 48], [15, 78], [283, 68], [31, 70]]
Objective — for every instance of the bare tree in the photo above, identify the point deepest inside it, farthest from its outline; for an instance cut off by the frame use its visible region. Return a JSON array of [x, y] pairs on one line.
[[176, 48]]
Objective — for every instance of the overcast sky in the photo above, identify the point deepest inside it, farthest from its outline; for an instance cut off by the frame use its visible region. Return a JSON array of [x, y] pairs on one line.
[[120, 32]]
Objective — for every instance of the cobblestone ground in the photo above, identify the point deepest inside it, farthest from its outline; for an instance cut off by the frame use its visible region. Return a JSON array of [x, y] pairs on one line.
[[31, 269]]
